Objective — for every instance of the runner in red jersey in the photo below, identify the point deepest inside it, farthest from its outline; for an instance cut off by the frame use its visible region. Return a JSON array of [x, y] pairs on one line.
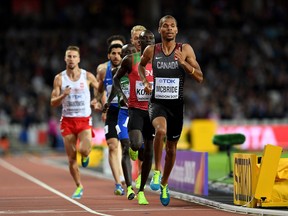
[[139, 125]]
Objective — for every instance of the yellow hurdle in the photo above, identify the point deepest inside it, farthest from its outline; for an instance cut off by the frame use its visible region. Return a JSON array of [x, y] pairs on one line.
[[257, 182]]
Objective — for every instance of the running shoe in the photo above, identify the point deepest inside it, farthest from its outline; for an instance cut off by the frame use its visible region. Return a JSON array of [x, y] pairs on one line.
[[85, 161], [78, 193], [130, 193], [119, 190], [133, 154], [142, 199], [155, 181], [164, 195]]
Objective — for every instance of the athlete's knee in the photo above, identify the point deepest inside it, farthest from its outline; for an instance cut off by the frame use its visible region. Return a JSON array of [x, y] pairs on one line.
[[72, 161], [125, 146], [160, 131], [112, 146], [84, 151]]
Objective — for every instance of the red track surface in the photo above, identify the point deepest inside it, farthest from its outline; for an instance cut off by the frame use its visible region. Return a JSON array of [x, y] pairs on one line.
[[31, 186]]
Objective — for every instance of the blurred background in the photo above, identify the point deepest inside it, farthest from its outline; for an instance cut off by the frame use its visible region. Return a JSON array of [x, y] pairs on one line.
[[241, 46]]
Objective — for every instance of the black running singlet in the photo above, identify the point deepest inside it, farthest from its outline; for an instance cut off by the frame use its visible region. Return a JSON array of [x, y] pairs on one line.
[[169, 77]]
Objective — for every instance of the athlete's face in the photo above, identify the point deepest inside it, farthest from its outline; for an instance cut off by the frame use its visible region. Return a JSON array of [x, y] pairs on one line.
[[72, 59], [146, 38], [128, 49], [115, 56], [135, 40], [168, 29]]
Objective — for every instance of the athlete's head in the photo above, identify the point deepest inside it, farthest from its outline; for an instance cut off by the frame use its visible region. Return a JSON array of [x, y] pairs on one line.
[[128, 49], [168, 28], [146, 38], [116, 39], [72, 57], [114, 54], [135, 32]]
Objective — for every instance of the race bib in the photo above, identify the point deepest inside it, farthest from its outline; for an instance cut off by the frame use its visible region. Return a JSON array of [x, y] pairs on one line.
[[166, 88], [141, 94]]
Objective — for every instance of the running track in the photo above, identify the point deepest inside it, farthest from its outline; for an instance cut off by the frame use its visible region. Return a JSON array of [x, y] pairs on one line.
[[42, 185]]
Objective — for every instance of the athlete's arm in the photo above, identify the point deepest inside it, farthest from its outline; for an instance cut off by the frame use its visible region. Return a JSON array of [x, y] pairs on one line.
[[56, 96], [100, 76], [99, 96], [145, 58], [125, 68], [92, 81], [187, 60]]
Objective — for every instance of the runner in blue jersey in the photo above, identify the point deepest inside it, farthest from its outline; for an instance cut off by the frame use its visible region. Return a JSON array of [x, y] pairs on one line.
[[105, 79]]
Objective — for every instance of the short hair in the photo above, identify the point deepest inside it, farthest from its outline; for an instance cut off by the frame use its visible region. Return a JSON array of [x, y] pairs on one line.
[[166, 17], [113, 46], [73, 48], [137, 28], [128, 49], [116, 37]]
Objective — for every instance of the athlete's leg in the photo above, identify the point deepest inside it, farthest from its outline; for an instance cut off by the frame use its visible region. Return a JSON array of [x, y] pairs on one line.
[[136, 139], [85, 138], [113, 144], [171, 147], [71, 151], [147, 163], [126, 162], [160, 126]]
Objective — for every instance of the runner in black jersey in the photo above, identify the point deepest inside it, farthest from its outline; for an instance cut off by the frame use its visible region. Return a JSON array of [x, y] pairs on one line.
[[171, 61]]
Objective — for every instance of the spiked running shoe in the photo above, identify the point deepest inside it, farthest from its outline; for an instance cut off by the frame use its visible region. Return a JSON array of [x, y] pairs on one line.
[[133, 154], [155, 181], [78, 193], [142, 199], [130, 193], [119, 190], [164, 195], [85, 161]]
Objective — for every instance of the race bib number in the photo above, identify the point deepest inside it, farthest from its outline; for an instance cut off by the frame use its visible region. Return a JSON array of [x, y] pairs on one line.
[[140, 93], [167, 88]]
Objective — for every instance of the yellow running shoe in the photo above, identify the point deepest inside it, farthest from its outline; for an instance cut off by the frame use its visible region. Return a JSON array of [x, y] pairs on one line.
[[78, 193], [130, 193], [155, 181], [164, 195], [85, 161], [142, 199]]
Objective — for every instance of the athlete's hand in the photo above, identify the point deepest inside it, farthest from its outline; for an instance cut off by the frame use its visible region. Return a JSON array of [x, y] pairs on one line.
[[123, 101], [179, 56], [105, 107], [97, 106], [67, 91], [147, 87]]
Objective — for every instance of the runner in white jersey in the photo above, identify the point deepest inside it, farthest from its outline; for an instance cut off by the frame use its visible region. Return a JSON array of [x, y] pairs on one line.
[[77, 103], [71, 90]]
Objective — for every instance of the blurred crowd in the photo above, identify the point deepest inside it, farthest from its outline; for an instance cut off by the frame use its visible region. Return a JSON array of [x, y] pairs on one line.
[[242, 49]]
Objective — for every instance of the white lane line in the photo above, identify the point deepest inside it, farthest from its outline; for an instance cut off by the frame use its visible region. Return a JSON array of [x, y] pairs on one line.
[[42, 184]]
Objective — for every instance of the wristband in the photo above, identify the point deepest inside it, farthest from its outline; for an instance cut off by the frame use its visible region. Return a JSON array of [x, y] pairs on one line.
[[193, 71]]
